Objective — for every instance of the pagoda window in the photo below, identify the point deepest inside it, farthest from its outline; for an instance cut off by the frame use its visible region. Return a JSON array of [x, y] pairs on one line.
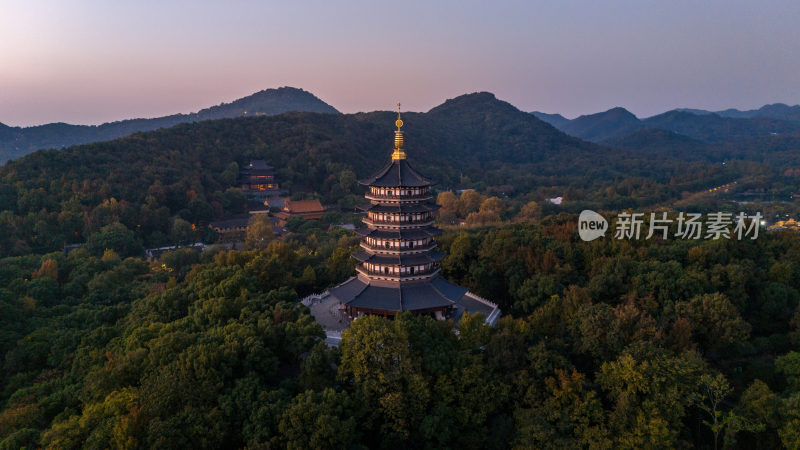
[[386, 270], [390, 193], [411, 244], [411, 269]]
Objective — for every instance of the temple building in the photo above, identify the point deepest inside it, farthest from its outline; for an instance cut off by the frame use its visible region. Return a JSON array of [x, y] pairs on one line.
[[398, 266], [258, 181], [306, 209]]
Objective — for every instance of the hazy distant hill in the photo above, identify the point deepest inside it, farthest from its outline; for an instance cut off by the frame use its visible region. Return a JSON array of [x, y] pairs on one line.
[[712, 127], [780, 111], [555, 120], [18, 141], [601, 126], [694, 123]]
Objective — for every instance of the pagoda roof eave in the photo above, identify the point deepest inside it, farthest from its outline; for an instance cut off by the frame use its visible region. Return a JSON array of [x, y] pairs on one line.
[[398, 174]]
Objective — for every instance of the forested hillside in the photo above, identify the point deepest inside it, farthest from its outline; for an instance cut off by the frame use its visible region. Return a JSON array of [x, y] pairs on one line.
[[18, 141], [145, 181]]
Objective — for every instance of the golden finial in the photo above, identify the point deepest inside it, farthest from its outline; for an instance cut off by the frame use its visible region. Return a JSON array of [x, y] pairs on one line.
[[399, 121], [398, 153]]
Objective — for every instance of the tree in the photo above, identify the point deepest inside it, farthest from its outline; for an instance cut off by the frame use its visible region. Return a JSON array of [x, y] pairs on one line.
[[567, 414], [530, 212], [230, 174], [715, 320], [470, 201], [714, 390], [182, 232], [449, 207], [259, 231], [348, 181], [651, 391], [117, 237], [789, 364], [760, 406], [493, 206], [49, 269], [323, 420]]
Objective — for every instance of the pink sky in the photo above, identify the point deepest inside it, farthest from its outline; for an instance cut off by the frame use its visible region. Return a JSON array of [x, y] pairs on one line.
[[96, 61]]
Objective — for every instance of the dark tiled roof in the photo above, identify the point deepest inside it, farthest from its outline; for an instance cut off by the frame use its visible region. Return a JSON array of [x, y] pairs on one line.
[[447, 288], [234, 222], [400, 234], [394, 297], [411, 208], [259, 164], [397, 173], [401, 260]]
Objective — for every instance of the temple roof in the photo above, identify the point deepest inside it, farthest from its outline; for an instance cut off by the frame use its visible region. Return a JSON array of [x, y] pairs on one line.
[[302, 206], [435, 293], [398, 173], [399, 259], [408, 234], [257, 167]]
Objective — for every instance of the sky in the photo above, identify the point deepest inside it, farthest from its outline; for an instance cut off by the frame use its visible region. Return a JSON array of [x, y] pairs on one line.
[[89, 62]]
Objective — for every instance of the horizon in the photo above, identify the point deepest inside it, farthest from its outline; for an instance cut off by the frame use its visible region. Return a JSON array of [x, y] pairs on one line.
[[383, 110], [91, 63]]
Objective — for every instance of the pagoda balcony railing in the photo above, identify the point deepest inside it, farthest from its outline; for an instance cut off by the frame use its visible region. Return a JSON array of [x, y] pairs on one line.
[[395, 223], [420, 197], [380, 275], [395, 250]]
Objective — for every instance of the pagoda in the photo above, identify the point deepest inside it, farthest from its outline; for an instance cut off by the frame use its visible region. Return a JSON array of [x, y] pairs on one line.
[[398, 266]]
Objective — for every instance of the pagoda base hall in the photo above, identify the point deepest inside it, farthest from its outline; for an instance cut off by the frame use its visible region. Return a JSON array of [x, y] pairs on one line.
[[398, 266], [437, 297]]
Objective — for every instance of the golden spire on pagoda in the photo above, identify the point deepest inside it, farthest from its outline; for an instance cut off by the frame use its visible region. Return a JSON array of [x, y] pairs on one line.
[[398, 153]]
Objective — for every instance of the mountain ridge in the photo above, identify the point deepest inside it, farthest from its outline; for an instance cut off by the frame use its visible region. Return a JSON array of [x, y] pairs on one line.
[[780, 111], [18, 141], [707, 126]]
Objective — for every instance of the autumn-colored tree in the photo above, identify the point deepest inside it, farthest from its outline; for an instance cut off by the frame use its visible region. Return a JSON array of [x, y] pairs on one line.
[[259, 231]]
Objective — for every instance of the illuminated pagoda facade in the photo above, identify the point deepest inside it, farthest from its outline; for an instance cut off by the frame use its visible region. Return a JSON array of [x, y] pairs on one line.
[[398, 266]]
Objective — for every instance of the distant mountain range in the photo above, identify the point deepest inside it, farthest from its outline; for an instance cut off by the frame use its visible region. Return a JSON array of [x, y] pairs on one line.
[[707, 126], [686, 128], [780, 111], [18, 141]]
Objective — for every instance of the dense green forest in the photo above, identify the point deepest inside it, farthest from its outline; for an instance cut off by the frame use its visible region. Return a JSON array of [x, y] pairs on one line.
[[608, 344], [148, 181], [605, 344]]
